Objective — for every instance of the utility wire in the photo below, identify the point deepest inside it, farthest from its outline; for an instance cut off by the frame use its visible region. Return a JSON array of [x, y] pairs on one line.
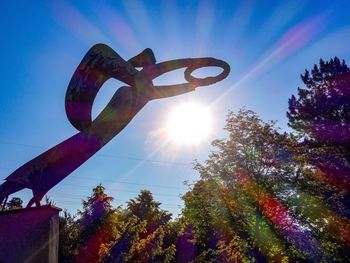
[[65, 198], [108, 155], [119, 190], [132, 183], [114, 181]]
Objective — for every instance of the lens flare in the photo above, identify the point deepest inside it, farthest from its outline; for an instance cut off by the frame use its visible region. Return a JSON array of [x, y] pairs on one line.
[[189, 124]]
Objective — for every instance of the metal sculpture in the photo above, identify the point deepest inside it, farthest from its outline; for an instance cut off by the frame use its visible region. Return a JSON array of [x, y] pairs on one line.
[[98, 65]]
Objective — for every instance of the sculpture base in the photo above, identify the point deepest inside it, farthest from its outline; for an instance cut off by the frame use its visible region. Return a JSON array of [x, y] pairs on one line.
[[29, 235]]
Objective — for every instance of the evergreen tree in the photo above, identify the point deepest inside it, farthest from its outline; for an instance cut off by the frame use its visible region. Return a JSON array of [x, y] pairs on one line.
[[321, 114], [147, 209], [144, 236], [98, 226]]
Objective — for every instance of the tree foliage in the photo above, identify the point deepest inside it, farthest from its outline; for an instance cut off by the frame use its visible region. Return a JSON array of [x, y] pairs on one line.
[[98, 226], [146, 209], [263, 195], [255, 157], [14, 203], [68, 237], [321, 114], [100, 233]]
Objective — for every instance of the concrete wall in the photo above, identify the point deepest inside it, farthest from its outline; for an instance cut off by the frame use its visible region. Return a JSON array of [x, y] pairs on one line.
[[29, 235]]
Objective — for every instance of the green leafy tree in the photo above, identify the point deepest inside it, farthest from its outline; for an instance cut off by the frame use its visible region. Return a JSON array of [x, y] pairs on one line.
[[68, 237], [151, 248], [207, 227], [129, 234], [198, 214], [220, 204]]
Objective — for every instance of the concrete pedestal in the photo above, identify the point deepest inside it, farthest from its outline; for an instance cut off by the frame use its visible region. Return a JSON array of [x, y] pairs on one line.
[[29, 235]]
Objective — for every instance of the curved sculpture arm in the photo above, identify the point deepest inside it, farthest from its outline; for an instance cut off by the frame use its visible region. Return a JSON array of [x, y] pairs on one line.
[[98, 65]]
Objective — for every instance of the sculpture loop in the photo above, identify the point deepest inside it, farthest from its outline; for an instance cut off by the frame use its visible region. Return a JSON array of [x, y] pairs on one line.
[[206, 62]]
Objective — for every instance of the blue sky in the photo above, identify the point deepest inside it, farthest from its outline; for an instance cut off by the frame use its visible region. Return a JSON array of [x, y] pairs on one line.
[[268, 44]]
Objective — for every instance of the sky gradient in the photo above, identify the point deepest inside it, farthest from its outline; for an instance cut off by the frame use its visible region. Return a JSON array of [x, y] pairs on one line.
[[268, 44]]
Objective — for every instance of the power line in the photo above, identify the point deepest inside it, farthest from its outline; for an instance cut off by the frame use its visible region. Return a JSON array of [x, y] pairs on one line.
[[75, 197], [118, 182], [21, 144], [132, 183], [108, 155], [141, 159], [119, 190]]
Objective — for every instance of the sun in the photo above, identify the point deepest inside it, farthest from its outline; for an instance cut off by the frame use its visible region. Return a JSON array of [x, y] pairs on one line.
[[189, 123]]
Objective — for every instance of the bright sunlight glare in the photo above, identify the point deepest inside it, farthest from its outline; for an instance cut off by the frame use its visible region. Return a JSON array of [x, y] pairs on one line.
[[189, 123]]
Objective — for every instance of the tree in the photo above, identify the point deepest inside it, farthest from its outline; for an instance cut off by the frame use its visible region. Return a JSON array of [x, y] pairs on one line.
[[255, 160], [144, 236], [68, 237], [198, 215], [153, 245], [14, 203], [321, 115], [98, 226], [209, 226], [147, 209]]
